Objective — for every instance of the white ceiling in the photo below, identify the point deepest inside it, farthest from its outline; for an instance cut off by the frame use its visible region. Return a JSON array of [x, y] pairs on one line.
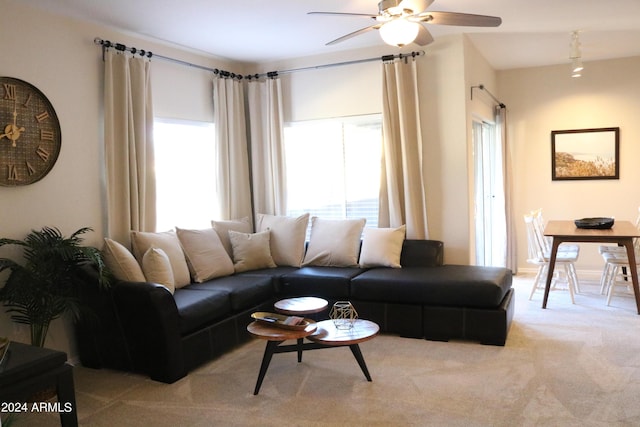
[[532, 33]]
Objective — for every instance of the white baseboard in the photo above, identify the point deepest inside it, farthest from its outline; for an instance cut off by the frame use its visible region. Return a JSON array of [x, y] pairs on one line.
[[590, 275]]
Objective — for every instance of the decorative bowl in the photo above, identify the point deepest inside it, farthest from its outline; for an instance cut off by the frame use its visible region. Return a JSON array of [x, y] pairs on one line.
[[598, 223], [281, 321]]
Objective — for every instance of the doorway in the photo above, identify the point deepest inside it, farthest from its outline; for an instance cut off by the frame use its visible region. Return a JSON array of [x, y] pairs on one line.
[[489, 203]]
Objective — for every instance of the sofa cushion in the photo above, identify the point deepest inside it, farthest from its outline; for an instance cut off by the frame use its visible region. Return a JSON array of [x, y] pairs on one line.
[[206, 257], [381, 247], [324, 282], [169, 243], [288, 235], [197, 308], [157, 268], [422, 253], [447, 285], [242, 225], [245, 291], [334, 243], [275, 274], [121, 262], [251, 251]]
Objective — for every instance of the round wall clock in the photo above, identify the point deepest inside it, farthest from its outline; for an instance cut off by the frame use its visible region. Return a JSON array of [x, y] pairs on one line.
[[29, 133]]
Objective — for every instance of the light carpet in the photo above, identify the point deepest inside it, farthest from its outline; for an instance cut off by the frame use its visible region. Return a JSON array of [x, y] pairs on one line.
[[568, 365]]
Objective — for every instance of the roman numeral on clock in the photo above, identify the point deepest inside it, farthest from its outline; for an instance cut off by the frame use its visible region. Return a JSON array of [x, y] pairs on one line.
[[42, 116], [30, 168], [9, 91], [12, 173], [46, 135], [43, 154], [26, 102]]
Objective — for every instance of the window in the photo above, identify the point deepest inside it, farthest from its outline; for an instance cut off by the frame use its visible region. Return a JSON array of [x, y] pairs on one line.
[[489, 196], [333, 167], [185, 174]]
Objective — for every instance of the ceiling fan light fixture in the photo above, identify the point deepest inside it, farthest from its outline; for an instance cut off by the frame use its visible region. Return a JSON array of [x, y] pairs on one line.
[[396, 7], [399, 32]]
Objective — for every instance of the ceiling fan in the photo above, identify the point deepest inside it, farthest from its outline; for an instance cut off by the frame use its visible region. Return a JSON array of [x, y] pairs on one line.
[[400, 21]]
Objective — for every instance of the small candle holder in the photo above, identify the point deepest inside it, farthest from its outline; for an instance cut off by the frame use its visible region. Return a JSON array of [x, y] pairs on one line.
[[343, 315]]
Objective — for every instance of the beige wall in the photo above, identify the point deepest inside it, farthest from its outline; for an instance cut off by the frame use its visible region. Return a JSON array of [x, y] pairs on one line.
[[58, 56], [480, 107], [543, 99]]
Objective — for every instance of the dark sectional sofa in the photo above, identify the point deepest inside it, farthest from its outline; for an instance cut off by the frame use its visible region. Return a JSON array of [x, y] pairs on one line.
[[141, 327]]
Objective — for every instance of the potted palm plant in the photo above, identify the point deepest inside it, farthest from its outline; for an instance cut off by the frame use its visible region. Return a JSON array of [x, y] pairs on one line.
[[43, 287]]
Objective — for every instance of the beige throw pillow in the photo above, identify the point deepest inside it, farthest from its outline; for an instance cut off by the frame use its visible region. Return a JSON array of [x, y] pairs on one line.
[[251, 251], [167, 241], [121, 262], [157, 268], [334, 243], [287, 237], [206, 257], [382, 247], [223, 227]]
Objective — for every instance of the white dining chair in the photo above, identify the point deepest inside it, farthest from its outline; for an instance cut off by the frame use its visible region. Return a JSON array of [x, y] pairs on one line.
[[616, 263], [547, 241], [616, 272], [602, 249], [538, 256], [618, 275]]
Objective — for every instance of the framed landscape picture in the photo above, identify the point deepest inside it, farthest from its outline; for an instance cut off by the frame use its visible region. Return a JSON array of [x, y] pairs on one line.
[[585, 154]]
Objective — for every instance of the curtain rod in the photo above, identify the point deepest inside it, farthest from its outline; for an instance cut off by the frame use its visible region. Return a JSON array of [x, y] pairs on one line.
[[272, 74], [122, 48], [384, 58], [481, 87]]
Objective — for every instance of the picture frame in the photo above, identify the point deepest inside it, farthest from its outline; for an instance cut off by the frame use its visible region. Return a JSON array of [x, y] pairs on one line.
[[585, 154]]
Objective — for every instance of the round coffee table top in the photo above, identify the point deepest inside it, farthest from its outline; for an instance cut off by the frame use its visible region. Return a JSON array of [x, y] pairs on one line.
[[268, 332], [300, 305], [327, 333]]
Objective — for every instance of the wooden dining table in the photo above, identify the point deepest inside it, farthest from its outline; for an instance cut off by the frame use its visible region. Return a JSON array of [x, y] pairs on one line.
[[622, 233]]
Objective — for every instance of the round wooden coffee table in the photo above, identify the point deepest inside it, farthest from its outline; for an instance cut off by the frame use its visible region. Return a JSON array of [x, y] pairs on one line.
[[322, 335], [276, 336], [327, 334], [300, 305]]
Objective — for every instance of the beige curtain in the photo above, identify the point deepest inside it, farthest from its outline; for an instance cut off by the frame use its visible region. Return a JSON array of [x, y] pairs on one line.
[[128, 140], [267, 154], [511, 256], [402, 191], [232, 162]]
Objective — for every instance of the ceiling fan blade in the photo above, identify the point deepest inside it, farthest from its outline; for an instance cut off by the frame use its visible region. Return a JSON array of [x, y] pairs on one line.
[[355, 33], [367, 15], [424, 37], [461, 19]]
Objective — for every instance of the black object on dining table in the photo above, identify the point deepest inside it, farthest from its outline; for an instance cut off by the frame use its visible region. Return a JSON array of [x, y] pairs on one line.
[[597, 223]]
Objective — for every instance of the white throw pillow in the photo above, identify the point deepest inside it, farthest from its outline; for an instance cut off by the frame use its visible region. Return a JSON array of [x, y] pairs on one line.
[[121, 262], [287, 237], [223, 227], [167, 241], [334, 242], [206, 257], [251, 251], [382, 247], [157, 268]]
